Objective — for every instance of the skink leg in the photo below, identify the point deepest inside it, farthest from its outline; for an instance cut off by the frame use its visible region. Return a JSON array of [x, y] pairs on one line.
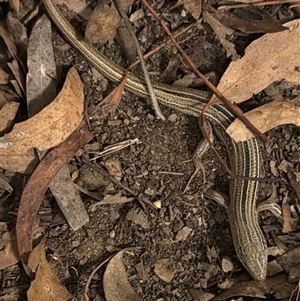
[[201, 149], [274, 208], [217, 197]]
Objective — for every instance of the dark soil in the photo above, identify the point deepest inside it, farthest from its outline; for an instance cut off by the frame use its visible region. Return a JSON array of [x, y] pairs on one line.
[[155, 170]]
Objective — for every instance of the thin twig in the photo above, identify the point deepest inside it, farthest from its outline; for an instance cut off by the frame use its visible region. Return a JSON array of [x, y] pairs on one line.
[[86, 287], [105, 174], [155, 104]]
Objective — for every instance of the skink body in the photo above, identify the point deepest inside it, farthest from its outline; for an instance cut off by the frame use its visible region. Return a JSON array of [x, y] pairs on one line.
[[245, 157]]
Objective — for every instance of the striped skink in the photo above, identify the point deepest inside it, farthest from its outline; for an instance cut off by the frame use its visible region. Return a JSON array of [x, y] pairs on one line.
[[245, 157]]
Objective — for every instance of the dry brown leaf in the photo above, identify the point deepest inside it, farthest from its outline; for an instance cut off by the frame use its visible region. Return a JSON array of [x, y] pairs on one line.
[[3, 77], [9, 255], [62, 188], [289, 223], [108, 199], [8, 40], [277, 285], [272, 57], [6, 96], [171, 71], [199, 294], [113, 166], [24, 163], [7, 115], [194, 7], [77, 6], [18, 29], [222, 32], [9, 251], [115, 281], [265, 118], [37, 186], [165, 269], [15, 5], [127, 44], [46, 129], [249, 20], [46, 286], [110, 103], [176, 5], [104, 22]]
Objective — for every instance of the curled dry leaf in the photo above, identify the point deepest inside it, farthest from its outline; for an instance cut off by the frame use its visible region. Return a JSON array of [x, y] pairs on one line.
[[115, 281], [265, 118], [110, 103], [46, 129], [124, 38], [46, 286], [113, 199], [36, 187], [274, 56], [249, 20]]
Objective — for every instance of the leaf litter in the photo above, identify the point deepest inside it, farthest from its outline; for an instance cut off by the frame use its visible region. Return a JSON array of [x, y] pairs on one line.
[[46, 129], [46, 286], [273, 57], [265, 118], [115, 280], [9, 252], [36, 187], [201, 299], [40, 91]]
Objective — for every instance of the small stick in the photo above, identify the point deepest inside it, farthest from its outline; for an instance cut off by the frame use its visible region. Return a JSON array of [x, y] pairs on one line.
[[163, 44], [155, 104]]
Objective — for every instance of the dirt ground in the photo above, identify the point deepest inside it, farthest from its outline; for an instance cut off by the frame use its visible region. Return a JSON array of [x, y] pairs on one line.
[[189, 236]]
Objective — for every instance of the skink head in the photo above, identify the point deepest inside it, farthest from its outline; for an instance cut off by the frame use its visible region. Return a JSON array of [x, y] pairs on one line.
[[254, 259]]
